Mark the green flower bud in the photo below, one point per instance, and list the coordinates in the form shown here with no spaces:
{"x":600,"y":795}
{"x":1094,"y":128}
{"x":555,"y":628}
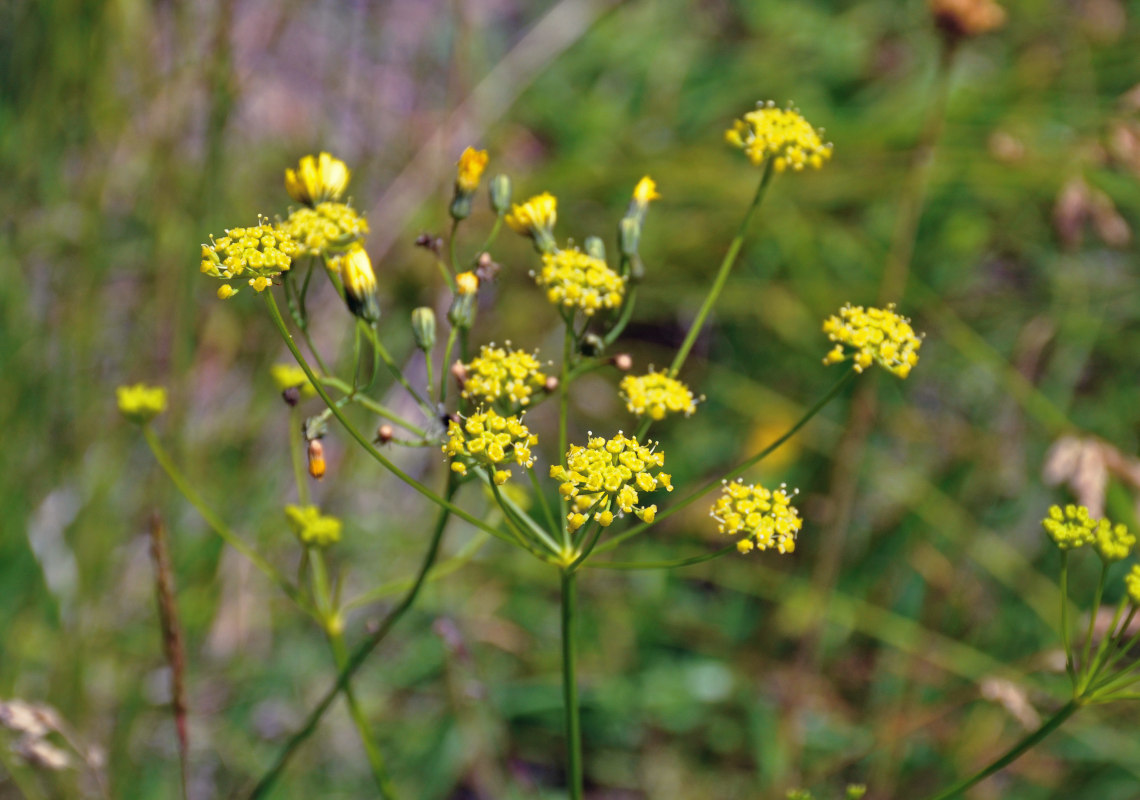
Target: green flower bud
{"x":596,"y":247}
{"x":460,"y":206}
{"x":462,"y":311}
{"x":629,"y":236}
{"x":423,"y":328}
{"x":500,"y":194}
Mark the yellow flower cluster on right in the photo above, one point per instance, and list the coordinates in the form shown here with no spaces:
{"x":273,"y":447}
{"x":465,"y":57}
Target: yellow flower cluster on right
{"x":876,"y":335}
{"x":1114,"y":542}
{"x":1071,"y":527}
{"x":499,"y":374}
{"x":605,"y":472}
{"x":328,"y":226}
{"x":1132,"y":584}
{"x":313,"y":528}
{"x":656,"y":394}
{"x":576,"y":280}
{"x":141,"y":403}
{"x":766,"y":518}
{"x":781,"y":134}
{"x":487,"y":439}
{"x":262,"y":252}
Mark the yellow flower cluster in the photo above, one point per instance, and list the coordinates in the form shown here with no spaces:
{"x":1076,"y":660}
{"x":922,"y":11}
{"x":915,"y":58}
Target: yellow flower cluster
{"x":1113,"y":542}
{"x":288,"y":376}
{"x":469,"y":171}
{"x":1072,"y":527}
{"x":656,"y":394}
{"x":539,"y":213}
{"x":328,"y":226}
{"x":781,"y":134}
{"x":317,"y":179}
{"x":767,"y":519}
{"x":141,"y":403}
{"x":876,"y":335}
{"x":262,"y":252}
{"x":487,"y":439}
{"x":576,"y":280}
{"x":1132,"y":584}
{"x":605,"y":473}
{"x":313,"y":528}
{"x":501,"y":374}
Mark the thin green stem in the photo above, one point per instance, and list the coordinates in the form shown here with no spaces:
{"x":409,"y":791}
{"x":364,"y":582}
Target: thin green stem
{"x":563,"y":413}
{"x":219,"y":527}
{"x":708,"y":487}
{"x":1110,"y":661}
{"x":382,"y":351}
{"x":624,"y":317}
{"x":441,"y":570}
{"x":1093,"y":669}
{"x":1013,"y":753}
{"x":1065,"y":643}
{"x":367,"y":402}
{"x":722,"y":273}
{"x":295,"y":445}
{"x":445,"y":366}
{"x":491,"y":236}
{"x":451,"y":246}
{"x":1084,"y":663}
{"x":680,"y":562}
{"x":542,"y":501}
{"x":521,"y":521}
{"x":358,"y":657}
{"x":570,"y":684}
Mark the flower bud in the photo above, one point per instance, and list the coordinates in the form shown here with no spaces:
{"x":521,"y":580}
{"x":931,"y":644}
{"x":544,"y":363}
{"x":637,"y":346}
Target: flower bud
{"x":384,"y":434}
{"x":592,"y":345}
{"x":466,"y":283}
{"x":291,"y":395}
{"x":500,"y":194}
{"x":462,"y":311}
{"x":423,"y":328}
{"x":316,"y":459}
{"x":460,"y":207}
{"x":623,"y":362}
{"x":359,"y":283}
{"x":629,"y":236}
{"x":595,"y":247}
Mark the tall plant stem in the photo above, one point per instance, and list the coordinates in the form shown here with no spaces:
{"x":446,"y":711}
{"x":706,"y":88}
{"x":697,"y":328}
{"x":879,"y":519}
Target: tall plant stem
{"x":722,"y":273}
{"x":570,"y":684}
{"x":1014,"y":752}
{"x":376,"y":763}
{"x":359,"y":656}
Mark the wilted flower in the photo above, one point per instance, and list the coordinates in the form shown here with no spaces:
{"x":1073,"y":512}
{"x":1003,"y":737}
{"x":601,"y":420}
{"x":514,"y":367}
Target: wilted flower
{"x":780,"y":134}
{"x":766,"y":518}
{"x":876,"y":336}
{"x":141,"y":403}
{"x":317,"y":179}
{"x":656,"y":394}
{"x":485,"y":438}
{"x":575,"y":280}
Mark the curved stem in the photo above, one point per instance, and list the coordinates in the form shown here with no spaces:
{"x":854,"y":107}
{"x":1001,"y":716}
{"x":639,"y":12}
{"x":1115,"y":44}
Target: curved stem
{"x":445,"y":366}
{"x":681,"y":562}
{"x":382,"y":351}
{"x":367,"y":402}
{"x":1084,"y":663}
{"x":358,"y":657}
{"x":1065,"y":617}
{"x":441,"y":570}
{"x":722,"y":273}
{"x":570,"y":684}
{"x":1013,"y":753}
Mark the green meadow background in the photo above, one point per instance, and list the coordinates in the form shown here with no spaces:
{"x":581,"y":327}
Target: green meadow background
{"x":922,"y":587}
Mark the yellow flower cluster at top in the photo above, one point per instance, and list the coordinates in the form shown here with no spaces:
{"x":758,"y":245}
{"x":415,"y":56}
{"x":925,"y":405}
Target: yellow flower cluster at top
{"x":487,"y":439}
{"x":313,"y":528}
{"x":876,"y":335}
{"x":328,"y":226}
{"x":656,"y":394}
{"x":469,"y":171}
{"x":766,"y":518}
{"x":537,"y":214}
{"x":262,"y":252}
{"x":141,"y":403}
{"x":780,"y":134}
{"x":1073,"y":526}
{"x":1132,"y":584}
{"x":576,"y":280}
{"x":498,"y":374}
{"x":1114,"y":542}
{"x":317,"y":179}
{"x":605,"y":473}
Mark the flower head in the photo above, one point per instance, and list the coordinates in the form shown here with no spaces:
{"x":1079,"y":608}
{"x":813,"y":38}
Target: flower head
{"x":781,"y":134}
{"x":1113,"y":542}
{"x":327,"y":227}
{"x":767,"y":519}
{"x":313,"y":528}
{"x":487,"y":439}
{"x":643,"y":194}
{"x":656,"y":394}
{"x":875,"y":335}
{"x":355,"y":268}
{"x":466,"y":283}
{"x":289,"y":376}
{"x":141,"y":403}
{"x":261,"y":252}
{"x":1132,"y":584}
{"x":535,"y":218}
{"x":610,"y":472}
{"x":1071,"y":527}
{"x":499,"y":374}
{"x":317,"y":179}
{"x":469,"y":170}
{"x":575,"y":280}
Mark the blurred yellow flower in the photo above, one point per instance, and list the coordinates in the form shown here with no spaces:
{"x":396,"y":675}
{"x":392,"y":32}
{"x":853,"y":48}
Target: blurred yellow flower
{"x":328,"y":227}
{"x":466,"y":283}
{"x":317,"y":179}
{"x":313,"y":528}
{"x":141,"y":403}
{"x":487,"y":439}
{"x":355,"y":268}
{"x":1070,"y":527}
{"x":766,"y":518}
{"x":780,"y":134}
{"x":469,"y":171}
{"x":288,"y":376}
{"x":1132,"y":584}
{"x":656,"y":394}
{"x":874,"y":335}
{"x":498,"y":374}
{"x":575,"y":280}
{"x":1113,"y":542}
{"x":535,"y":218}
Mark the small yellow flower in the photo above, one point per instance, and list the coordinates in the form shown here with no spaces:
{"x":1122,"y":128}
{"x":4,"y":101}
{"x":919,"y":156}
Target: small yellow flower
{"x":317,"y":179}
{"x":874,"y":335}
{"x":225,"y":291}
{"x":261,"y":252}
{"x":313,"y":528}
{"x":606,"y":473}
{"x":489,"y":440}
{"x":766,"y":518}
{"x":141,"y":403}
{"x":1070,"y":528}
{"x":645,"y":191}
{"x":781,"y":134}
{"x":498,"y":374}
{"x":656,"y":394}
{"x":328,"y":227}
{"x":355,"y":268}
{"x":471,"y":164}
{"x":1132,"y":584}
{"x":535,"y":218}
{"x":466,"y":283}
{"x":575,"y":280}
{"x":1113,"y":542}
{"x":288,"y":376}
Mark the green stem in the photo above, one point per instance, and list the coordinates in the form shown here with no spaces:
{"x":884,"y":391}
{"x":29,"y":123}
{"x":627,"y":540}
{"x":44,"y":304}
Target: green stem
{"x":357,"y":659}
{"x":219,"y":527}
{"x":623,"y":318}
{"x":491,"y":236}
{"x":376,"y":763}
{"x":382,"y":351}
{"x":1013,"y":753}
{"x":451,"y":246}
{"x":1065,"y":617}
{"x":1098,"y":661}
{"x":295,"y":445}
{"x":1084,"y":663}
{"x":681,"y":562}
{"x":708,"y":487}
{"x":441,"y":570}
{"x":722,"y":274}
{"x":570,"y":684}
{"x":1110,"y":661}
{"x":542,"y":501}
{"x":367,"y":402}
{"x":563,"y":413}
{"x":445,"y":367}
{"x":517,"y":517}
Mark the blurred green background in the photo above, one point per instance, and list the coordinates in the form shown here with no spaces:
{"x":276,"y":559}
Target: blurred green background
{"x":129,"y":131}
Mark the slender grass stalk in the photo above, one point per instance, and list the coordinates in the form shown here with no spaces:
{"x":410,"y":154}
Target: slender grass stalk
{"x":542,"y":501}
{"x":445,"y":365}
{"x":1065,"y":643}
{"x":295,"y":445}
{"x":440,"y":570}
{"x":1084,"y":663}
{"x":722,"y":273}
{"x":367,"y":402}
{"x":680,"y":562}
{"x":570,"y":684}
{"x":1098,"y":662}
{"x":385,"y":356}
{"x":563,"y":413}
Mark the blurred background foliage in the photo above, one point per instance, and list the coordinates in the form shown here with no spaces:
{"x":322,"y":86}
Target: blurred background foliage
{"x":909,"y":638}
